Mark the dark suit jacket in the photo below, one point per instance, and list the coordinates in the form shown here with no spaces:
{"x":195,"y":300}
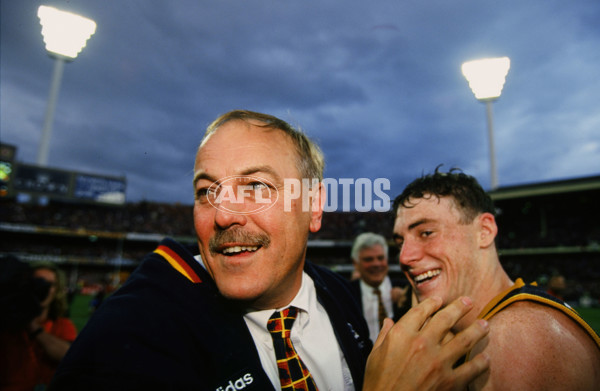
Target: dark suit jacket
{"x":398,"y":311}
{"x":171,"y":330}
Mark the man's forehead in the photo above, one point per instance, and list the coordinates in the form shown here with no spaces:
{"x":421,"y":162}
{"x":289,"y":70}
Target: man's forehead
{"x":239,"y":148}
{"x":425,"y":208}
{"x":427,"y":201}
{"x":375,"y":248}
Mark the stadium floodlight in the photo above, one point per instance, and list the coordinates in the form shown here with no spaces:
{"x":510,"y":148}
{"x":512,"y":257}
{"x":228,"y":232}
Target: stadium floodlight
{"x":486,"y":78}
{"x":65,"y":35}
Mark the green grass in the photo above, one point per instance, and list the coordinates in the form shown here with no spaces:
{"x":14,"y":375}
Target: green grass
{"x":591,"y":316}
{"x":80,"y":310}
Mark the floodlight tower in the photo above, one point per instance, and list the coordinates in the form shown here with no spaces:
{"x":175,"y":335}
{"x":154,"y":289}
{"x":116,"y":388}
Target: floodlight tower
{"x":65,"y":35}
{"x":486,"y":78}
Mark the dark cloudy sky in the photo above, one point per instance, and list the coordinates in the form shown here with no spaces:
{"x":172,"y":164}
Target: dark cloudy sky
{"x":377,"y":83}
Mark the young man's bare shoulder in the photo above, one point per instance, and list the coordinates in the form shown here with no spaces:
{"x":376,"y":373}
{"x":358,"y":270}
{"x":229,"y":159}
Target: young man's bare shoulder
{"x":536,"y":347}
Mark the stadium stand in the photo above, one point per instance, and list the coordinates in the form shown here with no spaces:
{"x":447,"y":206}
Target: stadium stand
{"x":544,"y":229}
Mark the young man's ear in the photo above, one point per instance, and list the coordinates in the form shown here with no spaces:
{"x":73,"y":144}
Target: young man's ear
{"x":318,"y":198}
{"x":487,"y":229}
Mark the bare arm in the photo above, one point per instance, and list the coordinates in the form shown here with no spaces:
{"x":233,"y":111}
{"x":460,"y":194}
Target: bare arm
{"x":54,"y":347}
{"x":534,"y":347}
{"x":413,"y":355}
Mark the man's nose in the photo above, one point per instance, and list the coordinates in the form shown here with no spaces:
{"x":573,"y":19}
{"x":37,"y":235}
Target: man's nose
{"x":410,"y":252}
{"x":380,"y":262}
{"x":228,"y":214}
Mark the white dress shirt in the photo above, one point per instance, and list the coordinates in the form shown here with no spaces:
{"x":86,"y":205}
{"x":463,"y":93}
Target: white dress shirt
{"x":313,"y":338}
{"x":370,"y":304}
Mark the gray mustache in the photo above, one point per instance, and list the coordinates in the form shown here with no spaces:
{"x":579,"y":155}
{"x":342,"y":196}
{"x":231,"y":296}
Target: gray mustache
{"x":237,"y":235}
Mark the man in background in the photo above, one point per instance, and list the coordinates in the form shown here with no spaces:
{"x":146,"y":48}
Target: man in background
{"x":373,"y":289}
{"x":557,"y":286}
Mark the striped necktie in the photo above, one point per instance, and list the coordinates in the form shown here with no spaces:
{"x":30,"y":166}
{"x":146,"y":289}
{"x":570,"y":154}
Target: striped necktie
{"x":293,"y":374}
{"x":382,"y":313}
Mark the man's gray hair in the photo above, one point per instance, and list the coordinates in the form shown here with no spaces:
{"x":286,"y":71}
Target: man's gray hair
{"x":309,"y":159}
{"x":367,"y":240}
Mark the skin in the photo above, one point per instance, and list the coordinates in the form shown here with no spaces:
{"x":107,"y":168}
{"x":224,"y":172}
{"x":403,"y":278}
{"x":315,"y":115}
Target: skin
{"x":529,"y":345}
{"x":253,"y":276}
{"x":51,"y":277}
{"x":372,"y":265}
{"x":54,"y":347}
{"x":399,"y":295}
{"x":432,"y":239}
{"x":521,"y":355}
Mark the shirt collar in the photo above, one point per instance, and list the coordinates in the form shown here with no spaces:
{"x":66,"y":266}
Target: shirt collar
{"x":305,"y":300}
{"x":385,"y":285}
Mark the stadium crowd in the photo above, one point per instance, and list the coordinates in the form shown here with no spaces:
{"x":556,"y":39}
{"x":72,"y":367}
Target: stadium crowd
{"x":522,"y":225}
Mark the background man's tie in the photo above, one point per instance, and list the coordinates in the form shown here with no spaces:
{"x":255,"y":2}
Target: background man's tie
{"x":381,"y":308}
{"x":293,"y":374}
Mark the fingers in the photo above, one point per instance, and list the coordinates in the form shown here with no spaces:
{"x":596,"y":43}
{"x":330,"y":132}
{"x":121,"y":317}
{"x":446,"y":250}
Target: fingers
{"x":468,"y":371}
{"x":417,"y":316}
{"x":463,"y":342}
{"x":459,"y":346}
{"x":385,"y":328}
{"x":447,"y":318}
{"x":412,"y":354}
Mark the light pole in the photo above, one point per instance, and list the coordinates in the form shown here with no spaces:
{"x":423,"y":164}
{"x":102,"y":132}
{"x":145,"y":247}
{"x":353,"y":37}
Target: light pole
{"x":65,"y":35}
{"x":486,"y":78}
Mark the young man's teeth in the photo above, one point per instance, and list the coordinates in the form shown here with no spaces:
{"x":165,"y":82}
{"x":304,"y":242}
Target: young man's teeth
{"x":429,"y":274}
{"x":237,"y":249}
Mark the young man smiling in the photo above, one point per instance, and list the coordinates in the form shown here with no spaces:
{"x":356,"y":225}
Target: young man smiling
{"x":445,"y":229}
{"x":212,"y":316}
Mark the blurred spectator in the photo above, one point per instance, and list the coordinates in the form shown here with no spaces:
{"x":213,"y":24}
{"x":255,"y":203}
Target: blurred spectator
{"x":20,"y":294}
{"x":33,"y":344}
{"x":98,"y":298}
{"x":373,"y":289}
{"x":557,"y":286}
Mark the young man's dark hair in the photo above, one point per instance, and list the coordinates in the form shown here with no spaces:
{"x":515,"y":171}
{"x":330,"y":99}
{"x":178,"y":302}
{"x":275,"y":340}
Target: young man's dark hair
{"x":464,"y":189}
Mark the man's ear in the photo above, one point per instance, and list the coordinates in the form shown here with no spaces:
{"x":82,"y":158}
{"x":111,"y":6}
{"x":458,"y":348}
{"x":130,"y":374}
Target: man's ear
{"x":317,"y":204}
{"x":487,"y":229}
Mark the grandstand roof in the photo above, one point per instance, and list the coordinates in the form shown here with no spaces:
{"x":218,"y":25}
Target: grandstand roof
{"x":546,"y":188}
